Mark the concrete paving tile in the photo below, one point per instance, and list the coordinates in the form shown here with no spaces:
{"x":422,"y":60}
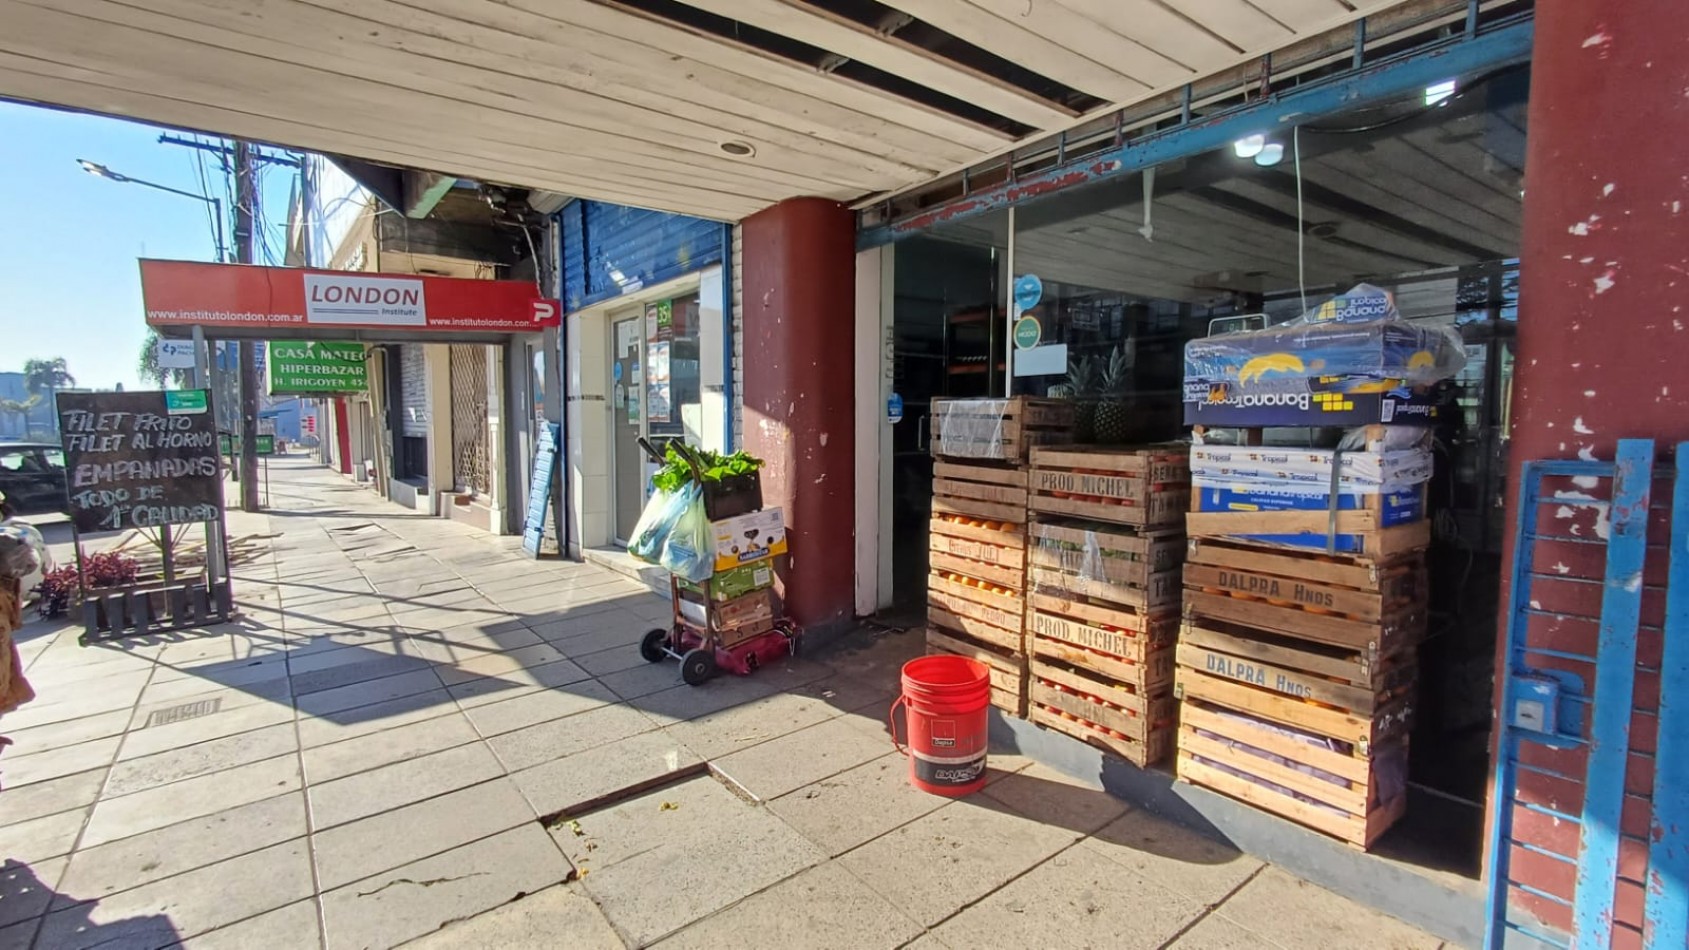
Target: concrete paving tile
{"x":613,"y":660}
{"x":416,"y":899}
{"x":304,"y":663}
{"x":945,"y":860}
{"x":98,"y":871}
{"x":927,"y":941}
{"x":375,"y":749}
{"x":42,"y":711}
{"x":181,"y":907}
{"x":20,"y":935}
{"x":1217,"y":933}
{"x":294,"y":927}
{"x":154,"y":808}
{"x":329,"y":701}
{"x":610,"y":630}
{"x":212,"y":755}
{"x":493,"y":689}
{"x":689,"y":702}
{"x":163,"y":695}
{"x":844,"y":811}
{"x":371,"y":666}
{"x":1077,"y":899}
{"x":1174,"y":857}
{"x":792,"y":761}
{"x":564,"y":736}
{"x":741,"y":727}
{"x":498,"y":664}
{"x":413,"y":779}
{"x":20,"y":770}
{"x":150,"y":740}
{"x":50,"y":797}
{"x":567,"y":784}
{"x":57,"y":735}
{"x":1046,"y":795}
{"x":560,"y":916}
{"x":389,"y":840}
{"x":26,"y":890}
{"x":240,"y":673}
{"x":41,"y":838}
{"x":595,"y":840}
{"x":720,"y":861}
{"x":376,"y":717}
{"x":838,"y":913}
{"x":644,"y":679}
{"x":1290,"y":911}
{"x":540,"y":706}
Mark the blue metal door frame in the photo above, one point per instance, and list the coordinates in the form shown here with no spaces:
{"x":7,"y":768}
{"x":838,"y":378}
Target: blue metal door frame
{"x":1550,"y":706}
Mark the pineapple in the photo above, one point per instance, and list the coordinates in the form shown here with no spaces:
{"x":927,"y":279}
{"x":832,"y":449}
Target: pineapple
{"x":1081,"y":386}
{"x":1113,"y":418}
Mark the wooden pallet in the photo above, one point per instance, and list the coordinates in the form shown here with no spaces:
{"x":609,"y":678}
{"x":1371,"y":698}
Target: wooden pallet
{"x":1352,"y":808}
{"x":1153,"y":748}
{"x":1008,"y":669}
{"x":983,"y":491}
{"x":997,"y":555}
{"x":1131,"y":648}
{"x":1137,"y":569}
{"x":1362,"y":682}
{"x":999,"y":429}
{"x":1141,"y":487}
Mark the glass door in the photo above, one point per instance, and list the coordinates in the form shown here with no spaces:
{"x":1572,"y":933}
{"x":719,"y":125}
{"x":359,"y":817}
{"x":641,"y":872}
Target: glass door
{"x":627,"y":422}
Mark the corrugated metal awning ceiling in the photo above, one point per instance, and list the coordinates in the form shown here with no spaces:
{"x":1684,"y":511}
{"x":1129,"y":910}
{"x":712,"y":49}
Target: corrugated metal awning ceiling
{"x":641,"y":102}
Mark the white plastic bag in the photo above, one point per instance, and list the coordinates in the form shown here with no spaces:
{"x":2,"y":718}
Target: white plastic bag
{"x":689,"y":550}
{"x":655,"y":522}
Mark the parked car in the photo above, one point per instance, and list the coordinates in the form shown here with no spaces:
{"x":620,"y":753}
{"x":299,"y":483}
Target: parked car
{"x":32,"y":474}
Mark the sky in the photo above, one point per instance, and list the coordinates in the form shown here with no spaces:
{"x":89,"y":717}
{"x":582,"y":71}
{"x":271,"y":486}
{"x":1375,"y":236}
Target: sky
{"x":69,"y":241}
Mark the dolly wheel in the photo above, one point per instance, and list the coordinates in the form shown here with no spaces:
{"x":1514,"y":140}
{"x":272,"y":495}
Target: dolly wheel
{"x":697,"y":666}
{"x":652,"y":648}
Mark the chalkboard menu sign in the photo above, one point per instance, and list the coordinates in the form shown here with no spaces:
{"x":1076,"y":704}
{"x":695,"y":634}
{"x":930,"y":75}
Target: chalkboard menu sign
{"x":140,"y":459}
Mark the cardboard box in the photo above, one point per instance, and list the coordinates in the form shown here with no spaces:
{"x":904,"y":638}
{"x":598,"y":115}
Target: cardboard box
{"x":1304,"y":402}
{"x":1394,"y":508}
{"x":749,"y":537}
{"x":752,"y":609}
{"x":735,"y":581}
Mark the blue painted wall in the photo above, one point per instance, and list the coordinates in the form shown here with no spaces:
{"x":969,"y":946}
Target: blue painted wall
{"x":609,"y":250}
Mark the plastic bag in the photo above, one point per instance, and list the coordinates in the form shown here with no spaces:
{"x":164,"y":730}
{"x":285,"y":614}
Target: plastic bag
{"x":655,"y":522}
{"x":689,"y":550}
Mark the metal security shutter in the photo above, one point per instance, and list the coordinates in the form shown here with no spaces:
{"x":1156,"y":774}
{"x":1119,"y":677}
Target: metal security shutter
{"x":469,"y":418}
{"x":413,"y":390}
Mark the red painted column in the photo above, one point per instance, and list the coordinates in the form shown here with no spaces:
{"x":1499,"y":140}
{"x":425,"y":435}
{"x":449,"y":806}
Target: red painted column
{"x":1603,"y":329}
{"x":798,"y":339}
{"x":343,"y":435}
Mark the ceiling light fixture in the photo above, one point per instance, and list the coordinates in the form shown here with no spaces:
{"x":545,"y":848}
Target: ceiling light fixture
{"x":739,"y":149}
{"x":1249,"y":146}
{"x":1270,"y":154}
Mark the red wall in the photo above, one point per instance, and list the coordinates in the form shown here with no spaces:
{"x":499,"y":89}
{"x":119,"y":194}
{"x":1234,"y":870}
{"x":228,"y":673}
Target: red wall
{"x":799,"y":276}
{"x":1603,"y":330}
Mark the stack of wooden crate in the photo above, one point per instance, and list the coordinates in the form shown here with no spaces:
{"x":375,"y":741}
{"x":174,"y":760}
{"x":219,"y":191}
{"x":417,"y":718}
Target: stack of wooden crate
{"x":1296,"y":657}
{"x":976,"y":588}
{"x":1103,"y":555}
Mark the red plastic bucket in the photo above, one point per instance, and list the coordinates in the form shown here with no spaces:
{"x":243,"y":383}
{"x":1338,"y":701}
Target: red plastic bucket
{"x":945,"y":698}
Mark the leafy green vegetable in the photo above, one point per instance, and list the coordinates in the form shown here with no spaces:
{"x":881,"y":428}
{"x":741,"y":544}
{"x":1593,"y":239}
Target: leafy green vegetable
{"x":676,"y":474}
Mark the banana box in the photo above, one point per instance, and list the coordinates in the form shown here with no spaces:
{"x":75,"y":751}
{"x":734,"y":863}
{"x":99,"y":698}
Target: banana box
{"x":1306,"y":402}
{"x":748,"y":537}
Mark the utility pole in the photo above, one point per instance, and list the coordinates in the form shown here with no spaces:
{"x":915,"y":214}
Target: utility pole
{"x":244,"y":204}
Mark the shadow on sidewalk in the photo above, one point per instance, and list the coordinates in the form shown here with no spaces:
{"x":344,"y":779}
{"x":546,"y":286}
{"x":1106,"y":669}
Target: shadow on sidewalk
{"x":25,"y":899}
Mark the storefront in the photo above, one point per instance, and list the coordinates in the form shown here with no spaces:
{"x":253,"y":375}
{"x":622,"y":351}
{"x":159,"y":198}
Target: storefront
{"x":1089,"y":292}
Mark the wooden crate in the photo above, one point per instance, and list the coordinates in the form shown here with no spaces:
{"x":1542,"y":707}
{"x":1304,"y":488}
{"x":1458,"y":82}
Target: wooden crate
{"x":1128,"y":647}
{"x":1000,"y":429}
{"x":1134,"y":724}
{"x":1008,"y":669}
{"x":981,"y":615}
{"x":1361,"y":682}
{"x":982,"y":491}
{"x":1348,"y":602}
{"x":1357,"y":808}
{"x":1376,"y":543}
{"x":1119,"y":565}
{"x":1142,"y":487}
{"x":1387,"y":722}
{"x":1153,"y":748}
{"x":997,"y":555}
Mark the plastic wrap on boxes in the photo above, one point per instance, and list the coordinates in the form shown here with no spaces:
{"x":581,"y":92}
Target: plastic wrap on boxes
{"x":970,"y":428}
{"x":1299,"y":471}
{"x":1090,"y":560}
{"x":1389,"y":765}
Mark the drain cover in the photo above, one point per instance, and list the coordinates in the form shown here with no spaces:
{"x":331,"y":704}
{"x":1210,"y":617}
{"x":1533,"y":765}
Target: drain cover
{"x":184,"y":711}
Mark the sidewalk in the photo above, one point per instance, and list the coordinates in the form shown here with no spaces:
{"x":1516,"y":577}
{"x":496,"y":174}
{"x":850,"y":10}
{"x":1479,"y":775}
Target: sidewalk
{"x":413,"y":726}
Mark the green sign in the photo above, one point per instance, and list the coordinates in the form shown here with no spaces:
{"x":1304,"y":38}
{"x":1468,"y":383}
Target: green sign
{"x":227,"y":446}
{"x":1028,"y":331}
{"x":306,"y":369}
{"x":185,"y":402}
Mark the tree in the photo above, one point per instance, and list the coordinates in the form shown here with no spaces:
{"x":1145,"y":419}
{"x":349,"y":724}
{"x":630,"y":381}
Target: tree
{"x":21,"y":408}
{"x":51,"y":375}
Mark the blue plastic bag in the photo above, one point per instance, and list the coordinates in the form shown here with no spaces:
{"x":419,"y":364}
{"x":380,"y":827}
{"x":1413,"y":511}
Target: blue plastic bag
{"x":655,"y":522}
{"x":689,"y":550}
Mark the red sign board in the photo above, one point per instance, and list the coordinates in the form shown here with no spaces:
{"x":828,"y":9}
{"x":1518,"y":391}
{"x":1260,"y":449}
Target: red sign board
{"x":248,"y":297}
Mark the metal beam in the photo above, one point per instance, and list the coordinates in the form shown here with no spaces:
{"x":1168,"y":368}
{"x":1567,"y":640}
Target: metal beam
{"x":1379,"y":81}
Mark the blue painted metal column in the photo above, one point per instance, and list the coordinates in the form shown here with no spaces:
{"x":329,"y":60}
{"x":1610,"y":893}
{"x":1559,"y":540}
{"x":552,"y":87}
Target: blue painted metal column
{"x":1666,"y":914}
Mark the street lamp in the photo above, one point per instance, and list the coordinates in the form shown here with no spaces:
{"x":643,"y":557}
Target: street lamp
{"x":100,"y":171}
